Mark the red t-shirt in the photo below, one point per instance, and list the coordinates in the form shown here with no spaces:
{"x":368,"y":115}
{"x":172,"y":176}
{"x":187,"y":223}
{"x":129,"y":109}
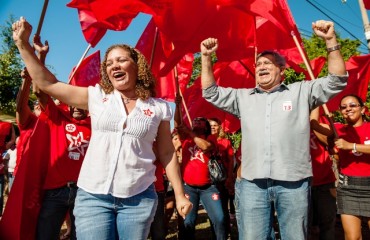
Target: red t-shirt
{"x":226,"y":151}
{"x":321,"y":163}
{"x":69,"y":139}
{"x":195,"y":163}
{"x":354,"y":164}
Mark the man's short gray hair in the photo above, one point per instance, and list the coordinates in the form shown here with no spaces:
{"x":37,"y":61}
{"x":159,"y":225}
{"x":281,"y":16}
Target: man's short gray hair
{"x":279,"y":59}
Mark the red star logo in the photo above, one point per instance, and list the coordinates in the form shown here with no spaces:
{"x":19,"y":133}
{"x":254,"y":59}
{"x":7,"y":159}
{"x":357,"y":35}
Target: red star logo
{"x":215,"y":196}
{"x":148,"y":112}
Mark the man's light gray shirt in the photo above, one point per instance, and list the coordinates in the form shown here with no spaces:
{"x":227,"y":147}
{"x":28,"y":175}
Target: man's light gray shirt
{"x":275,"y":125}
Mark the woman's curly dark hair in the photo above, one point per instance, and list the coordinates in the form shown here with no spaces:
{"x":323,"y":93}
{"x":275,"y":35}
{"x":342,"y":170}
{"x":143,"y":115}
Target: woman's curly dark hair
{"x":145,"y":83}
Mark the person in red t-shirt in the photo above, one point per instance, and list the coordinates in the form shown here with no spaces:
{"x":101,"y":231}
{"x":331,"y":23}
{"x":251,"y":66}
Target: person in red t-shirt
{"x":196,"y":148}
{"x":353,"y":148}
{"x":323,"y":192}
{"x":70,"y":133}
{"x":225,"y":151}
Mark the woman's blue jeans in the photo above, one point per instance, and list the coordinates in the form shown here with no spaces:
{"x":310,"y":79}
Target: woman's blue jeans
{"x":102,"y":216}
{"x":211,"y":200}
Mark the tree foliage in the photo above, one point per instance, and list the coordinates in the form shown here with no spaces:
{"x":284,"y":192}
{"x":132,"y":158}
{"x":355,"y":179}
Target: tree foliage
{"x":10,"y":68}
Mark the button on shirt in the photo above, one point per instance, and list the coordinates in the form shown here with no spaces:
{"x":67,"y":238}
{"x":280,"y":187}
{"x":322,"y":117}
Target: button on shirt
{"x":275,"y":125}
{"x":119,"y":161}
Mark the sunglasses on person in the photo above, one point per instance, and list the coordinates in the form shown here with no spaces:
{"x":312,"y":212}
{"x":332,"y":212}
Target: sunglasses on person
{"x":351,"y":105}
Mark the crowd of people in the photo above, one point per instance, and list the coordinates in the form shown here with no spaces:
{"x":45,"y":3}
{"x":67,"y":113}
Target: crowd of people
{"x":114,"y":169}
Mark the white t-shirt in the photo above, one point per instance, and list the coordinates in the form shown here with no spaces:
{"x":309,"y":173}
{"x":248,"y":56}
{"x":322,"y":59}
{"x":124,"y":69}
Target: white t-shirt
{"x":120,"y":160}
{"x":12,"y":156}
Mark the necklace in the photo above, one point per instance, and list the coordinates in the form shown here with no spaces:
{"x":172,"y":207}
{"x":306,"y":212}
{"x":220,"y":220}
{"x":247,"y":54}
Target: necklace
{"x":127,"y":100}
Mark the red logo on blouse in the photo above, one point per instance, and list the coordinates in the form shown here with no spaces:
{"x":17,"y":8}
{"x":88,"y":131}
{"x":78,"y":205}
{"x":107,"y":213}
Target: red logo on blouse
{"x":215,"y":196}
{"x":147,"y":112}
{"x":104,"y":99}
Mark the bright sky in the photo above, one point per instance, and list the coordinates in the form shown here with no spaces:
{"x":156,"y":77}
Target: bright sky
{"x":62,"y":28}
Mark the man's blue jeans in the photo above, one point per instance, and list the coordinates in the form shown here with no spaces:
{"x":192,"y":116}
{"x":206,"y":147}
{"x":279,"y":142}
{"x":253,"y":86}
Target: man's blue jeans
{"x":211,"y":200}
{"x":55,"y":205}
{"x":104,"y":217}
{"x":255,"y":214}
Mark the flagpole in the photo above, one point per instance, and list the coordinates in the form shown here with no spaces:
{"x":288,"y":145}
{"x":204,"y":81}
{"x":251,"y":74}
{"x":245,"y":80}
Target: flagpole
{"x":153,"y":48}
{"x":178,"y":91}
{"x":246,"y":68}
{"x":79,"y":63}
{"x":45,"y":6}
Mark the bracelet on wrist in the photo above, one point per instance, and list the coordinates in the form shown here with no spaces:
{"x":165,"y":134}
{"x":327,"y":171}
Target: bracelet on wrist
{"x":354,"y":150}
{"x":334,"y":48}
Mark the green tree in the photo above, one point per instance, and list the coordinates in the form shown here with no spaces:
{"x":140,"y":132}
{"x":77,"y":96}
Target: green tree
{"x":10,"y":68}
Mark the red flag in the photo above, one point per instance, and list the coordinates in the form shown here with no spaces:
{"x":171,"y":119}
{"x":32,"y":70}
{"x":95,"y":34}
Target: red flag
{"x":88,"y":73}
{"x":236,"y":74}
{"x":199,"y":107}
{"x":24,"y":201}
{"x":316,"y":65}
{"x":233,"y":22}
{"x":166,"y":86}
{"x":96,"y":16}
{"x":240,"y":26}
{"x":367,"y":4}
{"x":229,"y":25}
{"x":358,"y":68}
{"x":92,"y":30}
{"x":276,"y":21}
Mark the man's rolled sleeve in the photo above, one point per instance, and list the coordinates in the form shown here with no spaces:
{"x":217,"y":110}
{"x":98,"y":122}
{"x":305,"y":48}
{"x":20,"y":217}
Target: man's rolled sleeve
{"x":337,"y":82}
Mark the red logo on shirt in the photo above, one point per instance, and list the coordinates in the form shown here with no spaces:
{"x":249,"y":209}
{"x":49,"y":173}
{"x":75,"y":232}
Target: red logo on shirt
{"x":104,"y":99}
{"x":70,"y":128}
{"x":215,"y":197}
{"x":147,"y":112}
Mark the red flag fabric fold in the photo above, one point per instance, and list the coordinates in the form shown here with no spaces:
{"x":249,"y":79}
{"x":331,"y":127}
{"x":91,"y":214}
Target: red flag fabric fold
{"x":358,"y":68}
{"x":316,"y":65}
{"x":166,"y":85}
{"x":199,"y":107}
{"x":24,"y":201}
{"x":97,"y":16}
{"x":88,"y":73}
{"x":367,"y":4}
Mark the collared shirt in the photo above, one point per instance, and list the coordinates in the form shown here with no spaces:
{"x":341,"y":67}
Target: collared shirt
{"x":119,"y":160}
{"x":275,"y":125}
